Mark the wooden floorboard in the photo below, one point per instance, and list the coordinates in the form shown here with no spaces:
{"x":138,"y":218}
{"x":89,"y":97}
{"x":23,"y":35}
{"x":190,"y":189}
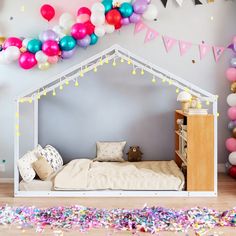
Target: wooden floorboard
{"x":226,"y":199}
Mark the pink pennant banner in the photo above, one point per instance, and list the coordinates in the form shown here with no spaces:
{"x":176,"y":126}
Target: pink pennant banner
{"x":169,"y":42}
{"x":204,"y":49}
{"x":218,"y":51}
{"x":139,"y":27}
{"x":184,"y":47}
{"x":150,"y":35}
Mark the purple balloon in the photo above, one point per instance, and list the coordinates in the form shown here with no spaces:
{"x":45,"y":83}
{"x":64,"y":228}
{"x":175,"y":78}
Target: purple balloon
{"x":68,"y":54}
{"x":134,"y":18}
{"x":49,"y":35}
{"x":85,"y":42}
{"x":148,"y":1}
{"x":125,"y":21}
{"x":140,"y":6}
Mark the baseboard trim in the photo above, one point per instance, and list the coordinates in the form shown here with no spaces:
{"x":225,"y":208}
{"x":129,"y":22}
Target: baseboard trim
{"x":6,"y":180}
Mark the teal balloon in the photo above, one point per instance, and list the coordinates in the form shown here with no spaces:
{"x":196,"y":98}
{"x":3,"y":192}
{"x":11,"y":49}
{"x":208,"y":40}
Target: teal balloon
{"x":107,"y":4}
{"x":34,"y":45}
{"x":94,"y":39}
{"x":126,"y":9}
{"x":67,"y":43}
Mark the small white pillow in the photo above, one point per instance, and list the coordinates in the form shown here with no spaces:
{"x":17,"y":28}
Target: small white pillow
{"x":52,"y":156}
{"x":25,"y":164}
{"x":110,"y":151}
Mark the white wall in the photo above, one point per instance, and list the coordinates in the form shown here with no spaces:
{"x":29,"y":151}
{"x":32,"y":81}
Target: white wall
{"x":189,"y":22}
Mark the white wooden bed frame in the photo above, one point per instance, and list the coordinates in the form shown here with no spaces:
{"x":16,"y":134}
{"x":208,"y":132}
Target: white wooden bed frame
{"x":72,"y":73}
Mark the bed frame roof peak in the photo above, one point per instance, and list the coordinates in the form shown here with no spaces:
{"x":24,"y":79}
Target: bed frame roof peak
{"x":115,"y":51}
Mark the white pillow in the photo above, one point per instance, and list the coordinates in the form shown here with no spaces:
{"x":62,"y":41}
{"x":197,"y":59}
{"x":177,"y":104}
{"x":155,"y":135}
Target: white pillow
{"x":25,"y":164}
{"x":52,"y":156}
{"x":110,"y":151}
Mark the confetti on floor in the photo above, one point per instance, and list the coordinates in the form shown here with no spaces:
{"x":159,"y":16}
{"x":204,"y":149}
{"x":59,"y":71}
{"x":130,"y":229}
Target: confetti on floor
{"x":147,"y":219}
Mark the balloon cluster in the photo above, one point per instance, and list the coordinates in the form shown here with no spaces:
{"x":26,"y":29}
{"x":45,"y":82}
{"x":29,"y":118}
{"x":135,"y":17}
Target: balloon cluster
{"x":231,"y":100}
{"x":62,"y":41}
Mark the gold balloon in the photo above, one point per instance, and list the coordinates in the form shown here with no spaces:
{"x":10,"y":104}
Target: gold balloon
{"x":234,"y":132}
{"x":44,"y":66}
{"x":233,"y":87}
{"x":2,"y":39}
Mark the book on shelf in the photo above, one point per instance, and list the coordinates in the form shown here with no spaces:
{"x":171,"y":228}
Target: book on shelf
{"x":193,"y":111}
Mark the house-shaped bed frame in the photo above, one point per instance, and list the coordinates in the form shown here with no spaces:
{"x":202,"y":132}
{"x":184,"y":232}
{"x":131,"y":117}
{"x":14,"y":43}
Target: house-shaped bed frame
{"x":114,"y":52}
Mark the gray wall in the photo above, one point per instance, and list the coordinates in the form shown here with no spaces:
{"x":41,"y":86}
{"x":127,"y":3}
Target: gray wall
{"x":112,"y":105}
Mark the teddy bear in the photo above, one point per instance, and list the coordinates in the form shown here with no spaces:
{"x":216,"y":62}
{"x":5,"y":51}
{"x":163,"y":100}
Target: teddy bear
{"x":134,"y":153}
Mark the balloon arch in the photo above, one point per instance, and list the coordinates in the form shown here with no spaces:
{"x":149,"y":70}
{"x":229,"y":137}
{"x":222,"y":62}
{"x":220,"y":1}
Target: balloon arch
{"x":72,"y":32}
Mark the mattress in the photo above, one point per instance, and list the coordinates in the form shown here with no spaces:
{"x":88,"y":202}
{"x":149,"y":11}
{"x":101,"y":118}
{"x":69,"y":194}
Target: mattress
{"x":36,"y":185}
{"x":85,"y":174}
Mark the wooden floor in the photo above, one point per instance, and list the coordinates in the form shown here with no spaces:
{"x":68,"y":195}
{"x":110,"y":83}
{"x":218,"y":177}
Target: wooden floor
{"x":226,"y":199}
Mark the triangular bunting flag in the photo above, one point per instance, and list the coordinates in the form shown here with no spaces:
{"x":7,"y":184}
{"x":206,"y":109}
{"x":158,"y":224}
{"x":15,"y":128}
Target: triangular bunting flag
{"x":204,"y":49}
{"x":217,"y":51}
{"x":169,"y":42}
{"x":197,"y":2}
{"x":150,"y":35}
{"x":184,"y":47}
{"x":180,"y":2}
{"x":164,"y":2}
{"x":139,"y":27}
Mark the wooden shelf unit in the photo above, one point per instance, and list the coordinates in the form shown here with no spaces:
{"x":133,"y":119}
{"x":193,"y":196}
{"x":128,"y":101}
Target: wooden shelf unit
{"x":200,"y":150}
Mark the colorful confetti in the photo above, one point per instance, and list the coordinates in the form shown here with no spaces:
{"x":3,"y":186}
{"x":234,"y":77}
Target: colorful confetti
{"x":148,"y":219}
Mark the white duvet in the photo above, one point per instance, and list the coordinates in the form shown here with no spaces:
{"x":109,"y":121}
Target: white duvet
{"x":84,"y":174}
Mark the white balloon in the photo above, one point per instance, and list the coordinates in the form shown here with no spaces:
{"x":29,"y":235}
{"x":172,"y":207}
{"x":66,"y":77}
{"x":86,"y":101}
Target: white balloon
{"x":231,"y":100}
{"x":64,"y":18}
{"x":67,"y":26}
{"x":109,"y":28}
{"x":41,"y":57}
{"x":59,"y":30}
{"x":82,"y":18}
{"x":12,"y":53}
{"x":232,"y":158}
{"x":3,"y":59}
{"x":25,"y":42}
{"x":98,"y":7}
{"x":100,"y":31}
{"x":119,"y":2}
{"x":151,"y":12}
{"x":97,"y":19}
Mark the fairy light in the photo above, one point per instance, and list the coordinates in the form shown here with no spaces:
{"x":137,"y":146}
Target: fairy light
{"x":81,"y":74}
{"x":44,"y":92}
{"x":163,"y":80}
{"x":21,"y":100}
{"x":76,"y":83}
{"x":17,"y":114}
{"x":95,"y":69}
{"x":17,"y":133}
{"x":67,"y":82}
{"x":61,"y":87}
{"x":199,"y":106}
{"x":129,"y":61}
{"x":86,"y":69}
{"x":114,"y":63}
{"x":38,"y":95}
{"x":122,"y":60}
{"x":106,"y":61}
{"x":17,"y":127}
{"x":177,"y":90}
{"x":218,"y":114}
{"x":30,"y":100}
{"x":207,"y":103}
{"x":170,"y":82}
{"x":154,"y":80}
{"x":186,"y":89}
{"x":133,"y":72}
{"x":142,"y":72}
{"x":54,"y":92}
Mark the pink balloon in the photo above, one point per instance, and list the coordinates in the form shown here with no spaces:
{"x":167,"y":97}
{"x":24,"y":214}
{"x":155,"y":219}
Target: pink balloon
{"x":234,"y":39}
{"x":53,"y":59}
{"x":231,"y":144}
{"x":232,"y":113}
{"x":84,"y":10}
{"x":231,"y":74}
{"x":51,"y":48}
{"x":27,"y":60}
{"x":78,"y":31}
{"x":12,"y":41}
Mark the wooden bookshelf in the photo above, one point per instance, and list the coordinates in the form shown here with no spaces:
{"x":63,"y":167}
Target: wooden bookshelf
{"x":200,"y":150}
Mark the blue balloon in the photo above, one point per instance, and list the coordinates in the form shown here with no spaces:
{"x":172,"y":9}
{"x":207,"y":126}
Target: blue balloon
{"x":34,"y":45}
{"x":108,"y":5}
{"x":67,"y":43}
{"x":94,"y":39}
{"x":126,"y":9}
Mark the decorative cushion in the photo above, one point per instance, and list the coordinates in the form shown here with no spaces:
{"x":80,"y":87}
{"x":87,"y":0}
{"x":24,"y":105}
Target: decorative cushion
{"x":25,"y":164}
{"x":42,"y":168}
{"x":110,"y":151}
{"x":52,"y":156}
